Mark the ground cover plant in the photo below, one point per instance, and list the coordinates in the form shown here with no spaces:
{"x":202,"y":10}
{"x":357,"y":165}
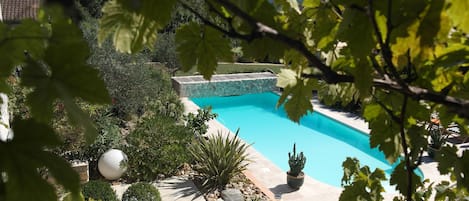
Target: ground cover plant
{"x":98,"y":190}
{"x":141,"y":192}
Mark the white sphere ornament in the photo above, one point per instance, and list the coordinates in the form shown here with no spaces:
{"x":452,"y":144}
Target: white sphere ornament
{"x":112,"y":164}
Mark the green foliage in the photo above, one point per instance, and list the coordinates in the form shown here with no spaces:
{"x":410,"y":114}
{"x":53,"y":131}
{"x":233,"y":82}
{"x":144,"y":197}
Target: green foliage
{"x":167,"y":104}
{"x":198,"y":122}
{"x":202,"y":46}
{"x":165,"y":50}
{"x":219,"y":159}
{"x":360,"y":183}
{"x":454,"y":164}
{"x":48,"y":74}
{"x":156,"y":146}
{"x":404,"y":58}
{"x":437,"y":137}
{"x":98,"y":190}
{"x":69,"y":197}
{"x":141,"y":192}
{"x":93,"y":6}
{"x":25,"y":154}
{"x":131,"y":30}
{"x":296,"y":162}
{"x":109,"y":137}
{"x":446,"y":191}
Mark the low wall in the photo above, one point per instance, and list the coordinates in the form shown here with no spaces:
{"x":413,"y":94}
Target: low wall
{"x":224,"y":85}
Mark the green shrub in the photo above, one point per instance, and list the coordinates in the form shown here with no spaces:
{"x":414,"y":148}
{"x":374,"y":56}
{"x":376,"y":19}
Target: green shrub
{"x":167,"y":104}
{"x":109,"y":137}
{"x":98,"y":190}
{"x":157,"y":146}
{"x":197,"y":122}
{"x":219,"y":159}
{"x":141,"y":192}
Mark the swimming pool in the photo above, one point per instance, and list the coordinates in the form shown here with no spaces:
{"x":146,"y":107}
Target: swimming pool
{"x":325,"y":142}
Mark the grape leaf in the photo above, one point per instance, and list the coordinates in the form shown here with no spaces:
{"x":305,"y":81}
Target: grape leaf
{"x":264,"y":48}
{"x":286,"y":78}
{"x":64,"y":75}
{"x":28,"y":36}
{"x":202,"y":46}
{"x":458,"y":13}
{"x":324,"y":27}
{"x":25,"y":154}
{"x":360,"y":183}
{"x":300,"y":102}
{"x":131,"y":31}
{"x":399,"y":178}
{"x":357,"y":32}
{"x":157,"y":10}
{"x":384,"y":132}
{"x":458,"y":166}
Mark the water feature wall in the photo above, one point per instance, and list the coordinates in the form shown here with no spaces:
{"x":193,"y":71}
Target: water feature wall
{"x":224,"y":85}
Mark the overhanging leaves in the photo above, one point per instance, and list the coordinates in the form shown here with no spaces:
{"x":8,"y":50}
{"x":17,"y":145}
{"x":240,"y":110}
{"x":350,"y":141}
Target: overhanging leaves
{"x":131,"y":31}
{"x":64,"y":74}
{"x":458,"y":13}
{"x":24,"y":155}
{"x":300,"y":102}
{"x":201,"y":46}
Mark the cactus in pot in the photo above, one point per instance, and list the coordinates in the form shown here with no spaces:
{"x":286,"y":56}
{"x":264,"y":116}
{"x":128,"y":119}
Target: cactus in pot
{"x":295,"y":177}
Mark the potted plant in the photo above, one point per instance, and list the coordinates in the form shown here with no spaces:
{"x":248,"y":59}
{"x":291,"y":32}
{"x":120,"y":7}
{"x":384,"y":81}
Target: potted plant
{"x":437,"y":139}
{"x":295,"y":176}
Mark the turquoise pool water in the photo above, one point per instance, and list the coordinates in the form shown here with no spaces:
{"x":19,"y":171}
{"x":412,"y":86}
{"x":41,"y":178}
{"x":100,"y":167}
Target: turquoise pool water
{"x":325,"y":142}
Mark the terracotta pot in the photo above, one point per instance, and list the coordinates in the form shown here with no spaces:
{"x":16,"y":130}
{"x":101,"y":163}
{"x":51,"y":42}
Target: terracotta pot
{"x":295,"y":182}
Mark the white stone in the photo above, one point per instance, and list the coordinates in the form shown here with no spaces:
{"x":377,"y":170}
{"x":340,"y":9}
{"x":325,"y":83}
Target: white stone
{"x":112,"y":164}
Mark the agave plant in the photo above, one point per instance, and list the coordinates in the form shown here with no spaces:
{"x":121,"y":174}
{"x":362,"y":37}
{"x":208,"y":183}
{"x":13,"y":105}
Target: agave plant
{"x":219,"y":159}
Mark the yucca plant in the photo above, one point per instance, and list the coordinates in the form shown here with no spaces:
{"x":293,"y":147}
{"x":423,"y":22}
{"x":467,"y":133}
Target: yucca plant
{"x":219,"y":159}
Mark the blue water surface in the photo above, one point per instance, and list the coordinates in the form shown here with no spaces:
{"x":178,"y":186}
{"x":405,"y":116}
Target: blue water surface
{"x":325,"y":142}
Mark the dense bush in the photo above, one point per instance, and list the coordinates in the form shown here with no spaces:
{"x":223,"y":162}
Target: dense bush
{"x":157,"y":146}
{"x":128,"y":79}
{"x":109,"y":137}
{"x":141,"y":192}
{"x":198,"y":122}
{"x":98,"y":190}
{"x":165,"y":51}
{"x":219,"y":159}
{"x":167,"y":104}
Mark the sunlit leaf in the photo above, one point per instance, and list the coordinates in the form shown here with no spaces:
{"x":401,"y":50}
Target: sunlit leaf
{"x":286,"y":78}
{"x":203,"y":47}
{"x":300,"y":102}
{"x":458,"y":13}
{"x":131,"y":31}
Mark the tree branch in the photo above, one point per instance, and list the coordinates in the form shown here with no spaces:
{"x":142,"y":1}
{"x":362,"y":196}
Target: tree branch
{"x":385,"y":50}
{"x":456,"y":105}
{"x":330,"y":76}
{"x":405,"y":148}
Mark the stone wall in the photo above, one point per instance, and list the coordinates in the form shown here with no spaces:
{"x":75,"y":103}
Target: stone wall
{"x":225,"y":87}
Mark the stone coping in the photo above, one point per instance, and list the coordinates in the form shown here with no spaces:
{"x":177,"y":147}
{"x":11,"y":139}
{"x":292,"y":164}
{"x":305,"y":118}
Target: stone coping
{"x":223,"y":77}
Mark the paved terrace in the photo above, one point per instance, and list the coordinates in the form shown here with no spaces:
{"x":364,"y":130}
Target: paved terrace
{"x":272,"y":180}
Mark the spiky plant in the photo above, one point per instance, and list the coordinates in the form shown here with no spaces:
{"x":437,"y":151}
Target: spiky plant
{"x":296,"y":162}
{"x":219,"y":159}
